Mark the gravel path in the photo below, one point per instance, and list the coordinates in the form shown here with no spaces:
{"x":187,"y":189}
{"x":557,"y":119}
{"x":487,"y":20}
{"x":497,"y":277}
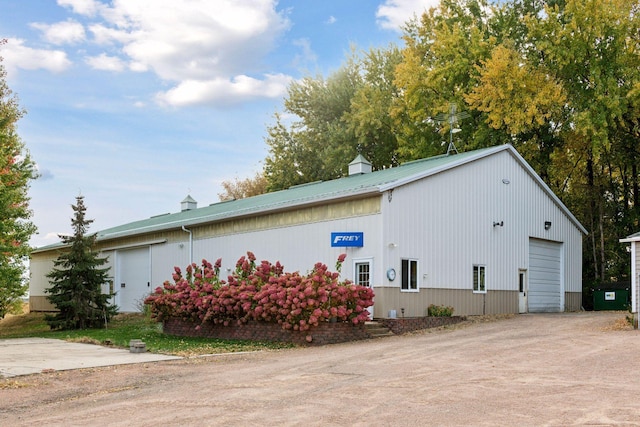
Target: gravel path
{"x":555,"y":369}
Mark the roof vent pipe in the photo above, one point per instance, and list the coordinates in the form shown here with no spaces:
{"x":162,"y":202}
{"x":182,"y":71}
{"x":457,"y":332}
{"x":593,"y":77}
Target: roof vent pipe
{"x":359,"y":166}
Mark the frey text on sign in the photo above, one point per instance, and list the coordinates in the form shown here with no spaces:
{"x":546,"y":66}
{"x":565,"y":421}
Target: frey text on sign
{"x":347,"y":239}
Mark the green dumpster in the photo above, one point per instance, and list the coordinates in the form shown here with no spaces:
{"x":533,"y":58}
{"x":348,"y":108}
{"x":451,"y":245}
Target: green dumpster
{"x":611,"y":298}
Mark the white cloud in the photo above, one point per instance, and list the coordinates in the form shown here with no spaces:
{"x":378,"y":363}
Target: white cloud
{"x":188,"y":42}
{"x":104,"y":35}
{"x":138,"y":67}
{"x":62,"y":32}
{"x":44,"y":174}
{"x":16,"y":55}
{"x":306,"y":55}
{"x":53,"y":237}
{"x":82,"y":7}
{"x":393,"y":14}
{"x":221,"y":91}
{"x":105,"y":62}
{"x":209,"y":45}
{"x":332,"y":20}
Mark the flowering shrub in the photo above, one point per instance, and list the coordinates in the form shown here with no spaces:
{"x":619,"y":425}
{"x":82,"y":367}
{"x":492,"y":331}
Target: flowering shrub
{"x":261,"y":292}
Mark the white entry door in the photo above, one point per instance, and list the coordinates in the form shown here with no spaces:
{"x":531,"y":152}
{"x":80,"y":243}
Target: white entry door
{"x":523,"y":306}
{"x":133,"y":283}
{"x":363,"y":272}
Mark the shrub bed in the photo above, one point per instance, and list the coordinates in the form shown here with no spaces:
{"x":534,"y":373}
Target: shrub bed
{"x":261,"y":293}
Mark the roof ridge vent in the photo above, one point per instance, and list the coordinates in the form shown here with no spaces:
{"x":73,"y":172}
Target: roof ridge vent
{"x":360,"y":165}
{"x":233,"y":199}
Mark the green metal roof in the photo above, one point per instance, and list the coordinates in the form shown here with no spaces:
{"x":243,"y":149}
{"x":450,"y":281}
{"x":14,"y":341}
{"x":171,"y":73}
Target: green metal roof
{"x":300,"y":195}
{"x":313,"y":193}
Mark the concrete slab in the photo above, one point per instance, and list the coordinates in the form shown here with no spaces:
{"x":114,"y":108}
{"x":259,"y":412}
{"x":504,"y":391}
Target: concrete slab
{"x":25,"y":356}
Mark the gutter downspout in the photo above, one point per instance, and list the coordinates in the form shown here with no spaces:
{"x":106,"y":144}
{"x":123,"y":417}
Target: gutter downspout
{"x":190,"y":244}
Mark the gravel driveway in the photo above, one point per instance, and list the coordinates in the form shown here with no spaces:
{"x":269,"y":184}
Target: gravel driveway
{"x":552,"y":369}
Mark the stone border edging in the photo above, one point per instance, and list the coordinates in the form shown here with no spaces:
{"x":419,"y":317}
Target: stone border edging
{"x":410,"y":324}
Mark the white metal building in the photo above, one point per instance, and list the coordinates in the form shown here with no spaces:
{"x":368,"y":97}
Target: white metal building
{"x":634,"y":241}
{"x":479,"y":231}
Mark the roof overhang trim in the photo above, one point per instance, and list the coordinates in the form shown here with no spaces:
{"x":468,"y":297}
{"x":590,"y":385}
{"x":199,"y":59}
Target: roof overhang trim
{"x":134,"y":245}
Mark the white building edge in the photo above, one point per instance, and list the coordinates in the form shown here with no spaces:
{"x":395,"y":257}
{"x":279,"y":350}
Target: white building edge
{"x":479,"y":231}
{"x":634,"y":241}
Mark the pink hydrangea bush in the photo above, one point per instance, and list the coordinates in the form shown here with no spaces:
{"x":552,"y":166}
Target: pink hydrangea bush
{"x":261,"y":292}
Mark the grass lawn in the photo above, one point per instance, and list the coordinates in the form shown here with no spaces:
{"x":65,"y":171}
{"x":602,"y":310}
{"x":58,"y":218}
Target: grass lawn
{"x":125,"y":327}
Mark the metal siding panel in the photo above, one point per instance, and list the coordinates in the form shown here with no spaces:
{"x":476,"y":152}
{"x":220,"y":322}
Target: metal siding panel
{"x":465,"y":303}
{"x":39,"y":267}
{"x":40,"y":303}
{"x":298,"y":247}
{"x":573,"y":301}
{"x":452,"y":216}
{"x":167,"y":256}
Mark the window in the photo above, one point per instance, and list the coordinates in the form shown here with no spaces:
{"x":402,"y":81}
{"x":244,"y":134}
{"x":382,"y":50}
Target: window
{"x":479,"y":284}
{"x":363,"y":273}
{"x":409,"y":275}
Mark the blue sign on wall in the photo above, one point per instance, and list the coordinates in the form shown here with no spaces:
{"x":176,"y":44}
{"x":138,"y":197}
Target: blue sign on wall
{"x":347,"y":239}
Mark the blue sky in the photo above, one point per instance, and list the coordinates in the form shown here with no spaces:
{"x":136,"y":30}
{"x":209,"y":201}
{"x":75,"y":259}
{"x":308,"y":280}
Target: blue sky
{"x":136,"y":103}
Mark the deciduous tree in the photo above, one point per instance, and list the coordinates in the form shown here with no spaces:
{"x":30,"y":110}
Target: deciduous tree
{"x":330,"y":120}
{"x":316,"y":143}
{"x":591,"y":47}
{"x":239,"y":189}
{"x":438,"y":69}
{"x":17,"y":169}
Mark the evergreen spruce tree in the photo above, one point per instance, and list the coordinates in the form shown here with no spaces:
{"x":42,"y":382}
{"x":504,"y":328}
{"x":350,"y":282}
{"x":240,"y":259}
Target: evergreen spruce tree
{"x":77,"y":279}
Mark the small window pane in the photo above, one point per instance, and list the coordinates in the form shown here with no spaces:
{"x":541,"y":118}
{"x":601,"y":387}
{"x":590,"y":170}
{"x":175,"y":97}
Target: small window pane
{"x":405,"y":274}
{"x":409,"y":274}
{"x":479,"y":283}
{"x":414,"y":274}
{"x":363,"y":274}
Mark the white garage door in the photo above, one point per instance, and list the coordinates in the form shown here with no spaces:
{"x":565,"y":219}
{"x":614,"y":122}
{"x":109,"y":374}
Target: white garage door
{"x":133,"y":284}
{"x":545,"y":276}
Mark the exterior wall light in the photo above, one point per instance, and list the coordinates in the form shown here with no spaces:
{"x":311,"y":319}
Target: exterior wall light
{"x":547,"y":225}
{"x":500,"y":223}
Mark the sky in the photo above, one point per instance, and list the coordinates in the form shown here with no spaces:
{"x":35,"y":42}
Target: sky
{"x":134,"y":104}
